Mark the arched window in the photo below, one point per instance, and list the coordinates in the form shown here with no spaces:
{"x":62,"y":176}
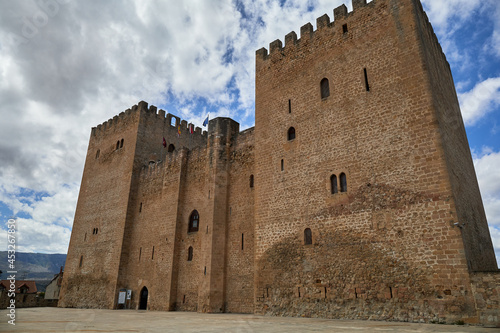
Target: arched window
{"x":343,"y":182}
{"x":308,"y":239}
{"x":171,"y":148}
{"x":333,"y":184}
{"x":194,"y":221}
{"x":121,"y":143}
{"x":251,"y":180}
{"x":117,"y":144}
{"x":190,"y":253}
{"x":291,"y":133}
{"x":97,"y":154}
{"x":325,"y":88}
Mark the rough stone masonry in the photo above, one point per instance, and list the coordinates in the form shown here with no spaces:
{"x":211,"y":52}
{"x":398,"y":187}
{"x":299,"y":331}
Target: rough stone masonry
{"x":354,"y":196}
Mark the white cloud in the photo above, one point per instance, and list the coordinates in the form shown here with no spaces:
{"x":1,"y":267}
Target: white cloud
{"x":480,"y":100}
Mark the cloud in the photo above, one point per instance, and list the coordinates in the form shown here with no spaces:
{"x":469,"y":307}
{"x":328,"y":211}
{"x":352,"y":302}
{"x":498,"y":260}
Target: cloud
{"x":480,"y":100}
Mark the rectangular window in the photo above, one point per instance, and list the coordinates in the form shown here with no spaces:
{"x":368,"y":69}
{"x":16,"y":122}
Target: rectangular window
{"x":282,"y":165}
{"x":366,"y":81}
{"x":242,"y":241}
{"x":289,"y":106}
{"x":140,"y":252}
{"x":153,"y":253}
{"x":344,"y":28}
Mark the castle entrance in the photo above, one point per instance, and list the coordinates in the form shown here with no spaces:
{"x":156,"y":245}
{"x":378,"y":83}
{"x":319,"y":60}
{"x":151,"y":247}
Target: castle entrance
{"x":143,"y":303}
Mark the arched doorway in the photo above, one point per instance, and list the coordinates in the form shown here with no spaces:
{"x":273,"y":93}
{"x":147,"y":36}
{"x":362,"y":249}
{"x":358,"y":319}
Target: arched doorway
{"x":143,"y":303}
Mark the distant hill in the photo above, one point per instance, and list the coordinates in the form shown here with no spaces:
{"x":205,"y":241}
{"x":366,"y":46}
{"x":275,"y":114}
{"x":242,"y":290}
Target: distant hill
{"x":40,"y":267}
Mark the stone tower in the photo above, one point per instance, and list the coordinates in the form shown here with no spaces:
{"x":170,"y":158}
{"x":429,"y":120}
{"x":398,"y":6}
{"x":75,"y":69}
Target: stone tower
{"x":367,"y":193}
{"x":354,"y":196}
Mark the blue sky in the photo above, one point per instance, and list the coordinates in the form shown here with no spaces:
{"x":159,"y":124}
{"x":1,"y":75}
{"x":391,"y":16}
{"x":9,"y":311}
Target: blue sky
{"x":66,"y":66}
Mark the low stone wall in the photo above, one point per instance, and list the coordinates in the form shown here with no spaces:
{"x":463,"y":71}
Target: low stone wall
{"x":486,"y":289}
{"x":26,"y":301}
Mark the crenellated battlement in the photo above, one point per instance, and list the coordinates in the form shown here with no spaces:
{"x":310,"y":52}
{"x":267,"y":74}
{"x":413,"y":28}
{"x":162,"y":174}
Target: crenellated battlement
{"x":142,"y":108}
{"x":307,"y":32}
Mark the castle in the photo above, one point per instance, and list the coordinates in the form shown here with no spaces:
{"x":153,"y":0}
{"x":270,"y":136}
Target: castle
{"x":354,"y":196}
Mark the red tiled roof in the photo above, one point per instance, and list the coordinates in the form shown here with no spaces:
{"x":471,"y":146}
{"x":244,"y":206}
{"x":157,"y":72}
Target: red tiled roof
{"x":31,"y":285}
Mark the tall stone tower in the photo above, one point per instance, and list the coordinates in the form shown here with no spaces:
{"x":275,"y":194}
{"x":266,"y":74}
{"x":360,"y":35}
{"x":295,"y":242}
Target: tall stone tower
{"x":354,"y":196}
{"x":367,"y":193}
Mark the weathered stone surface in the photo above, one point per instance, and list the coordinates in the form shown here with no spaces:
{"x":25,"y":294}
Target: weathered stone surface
{"x":403,"y":237}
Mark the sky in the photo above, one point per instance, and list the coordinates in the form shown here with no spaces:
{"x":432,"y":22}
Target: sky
{"x":67,"y":66}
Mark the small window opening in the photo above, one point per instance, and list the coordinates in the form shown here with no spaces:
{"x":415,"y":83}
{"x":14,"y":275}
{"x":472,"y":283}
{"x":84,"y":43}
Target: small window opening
{"x":207,"y":229}
{"x":97,"y":154}
{"x":291,"y":133}
{"x":251,"y":181}
{"x":282,"y":165}
{"x":85,"y":238}
{"x":190,"y":253}
{"x":81,"y":262}
{"x":117,"y":144}
{"x":307,"y":236}
{"x":96,"y":231}
{"x":173,"y":121}
{"x":356,"y":293}
{"x":390,"y":291}
{"x":121,"y":143}
{"x":209,"y":194}
{"x":194,"y":220}
{"x":298,"y":289}
{"x":325,"y":292}
{"x":333,"y":184}
{"x":344,"y":28}
{"x":140,"y":252}
{"x":205,"y":271}
{"x":367,"y":86}
{"x":343,"y":182}
{"x":171,"y":148}
{"x":140,"y":208}
{"x":289,"y":106}
{"x":153,"y":253}
{"x":184,"y":299}
{"x":242,"y":240}
{"x":325,"y":88}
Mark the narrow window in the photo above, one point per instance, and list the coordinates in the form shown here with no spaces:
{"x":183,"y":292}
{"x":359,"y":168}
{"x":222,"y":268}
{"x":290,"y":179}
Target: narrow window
{"x":93,"y":231}
{"x":343,"y":182}
{"x":140,"y":252}
{"x":140,"y":208}
{"x":97,"y":154}
{"x":366,"y":81}
{"x":307,"y":236}
{"x":173,"y":121}
{"x":298,"y":290}
{"x":121,"y":143}
{"x":289,"y":106}
{"x":81,"y":261}
{"x":242,"y":240}
{"x":117,"y":144}
{"x":344,"y":28}
{"x":251,"y":180}
{"x":194,"y":221}
{"x":85,"y":239}
{"x":205,"y":272}
{"x":171,"y":148}
{"x":153,"y":253}
{"x":282,"y":165}
{"x":390,"y":291}
{"x":291,"y":133}
{"x":96,"y":231}
{"x":333,"y":184}
{"x":325,"y":88}
{"x":184,"y":299}
{"x":209,"y":194}
{"x":190,"y":253}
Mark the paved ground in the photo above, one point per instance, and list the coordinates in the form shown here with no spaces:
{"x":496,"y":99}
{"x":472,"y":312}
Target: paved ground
{"x":55,"y":320}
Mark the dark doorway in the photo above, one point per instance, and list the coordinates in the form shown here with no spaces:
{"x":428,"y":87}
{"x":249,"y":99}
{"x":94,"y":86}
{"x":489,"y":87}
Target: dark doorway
{"x":143,"y":303}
